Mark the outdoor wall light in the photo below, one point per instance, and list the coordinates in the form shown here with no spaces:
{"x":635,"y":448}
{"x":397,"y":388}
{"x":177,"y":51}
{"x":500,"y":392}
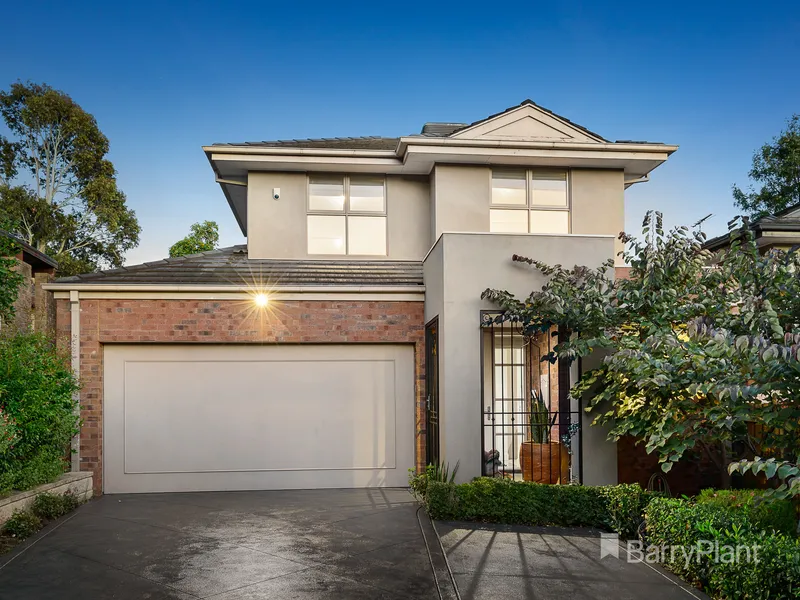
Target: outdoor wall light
{"x":261,"y":300}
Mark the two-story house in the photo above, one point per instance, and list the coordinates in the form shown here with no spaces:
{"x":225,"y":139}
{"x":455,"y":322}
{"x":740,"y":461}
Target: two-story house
{"x":347,"y":341}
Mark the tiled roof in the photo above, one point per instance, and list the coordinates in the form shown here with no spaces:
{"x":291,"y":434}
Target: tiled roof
{"x":30,"y":254}
{"x":432,"y":129}
{"x":342,"y":143}
{"x":441,"y":129}
{"x":230,"y":266}
{"x":786,"y":222}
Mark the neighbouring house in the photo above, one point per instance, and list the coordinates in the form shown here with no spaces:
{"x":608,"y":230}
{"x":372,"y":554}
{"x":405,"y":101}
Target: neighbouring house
{"x":347,"y":342}
{"x":780,"y":231}
{"x":35,"y":308}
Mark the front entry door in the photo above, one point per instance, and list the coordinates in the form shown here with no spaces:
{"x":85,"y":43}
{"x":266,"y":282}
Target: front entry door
{"x":432,"y":392}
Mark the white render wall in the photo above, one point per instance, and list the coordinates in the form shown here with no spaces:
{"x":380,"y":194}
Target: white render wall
{"x":458,"y":269}
{"x":277,"y":228}
{"x":455,"y":198}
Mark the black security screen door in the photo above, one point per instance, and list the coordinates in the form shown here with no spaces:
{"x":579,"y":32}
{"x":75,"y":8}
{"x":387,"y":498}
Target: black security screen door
{"x":531,"y":426}
{"x":432,"y":392}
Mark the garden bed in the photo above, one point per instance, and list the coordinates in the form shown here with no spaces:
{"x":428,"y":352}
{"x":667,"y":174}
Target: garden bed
{"x":77,"y":484}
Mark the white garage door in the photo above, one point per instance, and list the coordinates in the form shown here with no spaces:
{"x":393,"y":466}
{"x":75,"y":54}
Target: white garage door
{"x":207,"y":417}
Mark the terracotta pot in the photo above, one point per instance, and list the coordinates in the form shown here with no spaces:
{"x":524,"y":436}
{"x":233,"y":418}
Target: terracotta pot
{"x":544,"y":463}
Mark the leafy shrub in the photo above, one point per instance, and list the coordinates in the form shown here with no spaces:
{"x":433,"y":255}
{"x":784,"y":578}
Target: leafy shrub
{"x":8,"y":433}
{"x":777,"y":515}
{"x":526,"y":503}
{"x":418,"y":482}
{"x":48,"y":506}
{"x":625,"y":506}
{"x":776,"y":574}
{"x":22,"y":524}
{"x":36,"y":387}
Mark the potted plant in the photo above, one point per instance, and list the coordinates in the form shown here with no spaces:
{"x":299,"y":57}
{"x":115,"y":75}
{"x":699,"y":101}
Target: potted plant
{"x":543,"y":460}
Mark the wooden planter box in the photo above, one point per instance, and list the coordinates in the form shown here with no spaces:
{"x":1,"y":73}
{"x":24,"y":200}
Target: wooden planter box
{"x":544,"y":463}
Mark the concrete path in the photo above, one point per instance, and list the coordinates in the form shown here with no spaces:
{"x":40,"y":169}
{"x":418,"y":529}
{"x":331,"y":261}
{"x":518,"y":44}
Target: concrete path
{"x":353,"y":544}
{"x":516,"y":563}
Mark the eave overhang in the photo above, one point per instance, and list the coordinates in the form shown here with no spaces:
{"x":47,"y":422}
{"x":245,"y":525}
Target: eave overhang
{"x":417,"y":155}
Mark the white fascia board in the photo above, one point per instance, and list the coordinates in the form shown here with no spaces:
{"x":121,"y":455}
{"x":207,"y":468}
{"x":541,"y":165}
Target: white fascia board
{"x":215,"y":151}
{"x":233,"y":164}
{"x":407,"y":142}
{"x":299,"y":289}
{"x":248,"y":296}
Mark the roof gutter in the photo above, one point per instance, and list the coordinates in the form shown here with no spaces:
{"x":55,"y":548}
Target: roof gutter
{"x":629,"y":182}
{"x":599,"y":146}
{"x":278,"y":289}
{"x":296,"y":151}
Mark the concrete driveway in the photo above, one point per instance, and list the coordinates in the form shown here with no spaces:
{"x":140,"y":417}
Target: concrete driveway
{"x":520,"y":563}
{"x":350,"y":544}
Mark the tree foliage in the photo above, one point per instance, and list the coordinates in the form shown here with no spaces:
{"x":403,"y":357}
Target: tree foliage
{"x":776,"y":167}
{"x":10,"y":278}
{"x":57,"y":184}
{"x":203,"y":236}
{"x":701,"y":350}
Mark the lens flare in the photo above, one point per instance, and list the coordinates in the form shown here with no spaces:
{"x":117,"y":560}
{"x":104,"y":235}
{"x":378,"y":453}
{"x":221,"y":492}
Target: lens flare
{"x":261,"y":300}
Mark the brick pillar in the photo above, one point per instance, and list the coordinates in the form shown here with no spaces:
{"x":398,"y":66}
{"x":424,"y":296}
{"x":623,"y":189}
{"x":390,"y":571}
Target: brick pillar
{"x":44,"y":305}
{"x":22,"y":307}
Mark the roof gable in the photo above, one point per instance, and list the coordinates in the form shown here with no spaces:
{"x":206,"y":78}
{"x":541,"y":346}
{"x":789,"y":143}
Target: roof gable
{"x":527,"y":122}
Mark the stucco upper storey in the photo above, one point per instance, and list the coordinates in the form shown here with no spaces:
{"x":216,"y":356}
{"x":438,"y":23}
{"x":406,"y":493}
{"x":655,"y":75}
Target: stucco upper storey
{"x":436,"y":181}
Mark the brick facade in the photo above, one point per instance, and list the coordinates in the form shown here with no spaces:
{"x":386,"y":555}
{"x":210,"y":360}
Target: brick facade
{"x":690,"y":475}
{"x":230,"y":321}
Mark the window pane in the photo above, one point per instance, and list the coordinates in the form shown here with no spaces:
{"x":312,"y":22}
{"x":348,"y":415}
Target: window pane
{"x":509,"y":382}
{"x":549,"y":221}
{"x":366,"y":194}
{"x":508,"y":221}
{"x":325,"y":235}
{"x":366,"y":235}
{"x":549,"y":188}
{"x":508,"y":348}
{"x":508,"y":187}
{"x":326,"y":193}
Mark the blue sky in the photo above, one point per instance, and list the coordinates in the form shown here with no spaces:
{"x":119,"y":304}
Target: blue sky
{"x":162,"y":79}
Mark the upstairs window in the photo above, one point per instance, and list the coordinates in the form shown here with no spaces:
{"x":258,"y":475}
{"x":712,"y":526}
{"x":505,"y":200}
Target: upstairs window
{"x":346,"y":215}
{"x":529,"y":201}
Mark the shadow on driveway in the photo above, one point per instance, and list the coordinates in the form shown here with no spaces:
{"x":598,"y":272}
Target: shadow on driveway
{"x":353,"y":544}
{"x":509,"y":562}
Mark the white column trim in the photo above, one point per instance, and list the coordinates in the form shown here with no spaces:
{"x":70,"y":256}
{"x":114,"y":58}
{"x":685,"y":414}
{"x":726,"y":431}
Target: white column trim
{"x":75,"y":350}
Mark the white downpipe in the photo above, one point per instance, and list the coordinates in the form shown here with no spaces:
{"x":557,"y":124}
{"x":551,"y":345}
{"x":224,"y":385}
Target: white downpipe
{"x":75,"y":349}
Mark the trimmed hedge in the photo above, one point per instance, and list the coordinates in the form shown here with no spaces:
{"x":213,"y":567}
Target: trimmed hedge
{"x":777,"y":515}
{"x":618,"y":508}
{"x":726,"y":521}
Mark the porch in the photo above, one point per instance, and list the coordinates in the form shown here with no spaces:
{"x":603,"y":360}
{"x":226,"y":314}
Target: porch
{"x":493,"y":406}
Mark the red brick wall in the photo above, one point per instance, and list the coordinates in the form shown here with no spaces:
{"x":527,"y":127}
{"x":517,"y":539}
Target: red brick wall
{"x":688,"y":476}
{"x":230,"y":321}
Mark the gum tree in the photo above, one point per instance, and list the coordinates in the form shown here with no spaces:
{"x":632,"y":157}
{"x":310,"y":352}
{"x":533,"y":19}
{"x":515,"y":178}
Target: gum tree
{"x":56,"y":182}
{"x":695,"y":345}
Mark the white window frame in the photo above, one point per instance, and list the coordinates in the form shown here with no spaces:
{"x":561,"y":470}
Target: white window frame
{"x":529,"y":205}
{"x":347,"y":212}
